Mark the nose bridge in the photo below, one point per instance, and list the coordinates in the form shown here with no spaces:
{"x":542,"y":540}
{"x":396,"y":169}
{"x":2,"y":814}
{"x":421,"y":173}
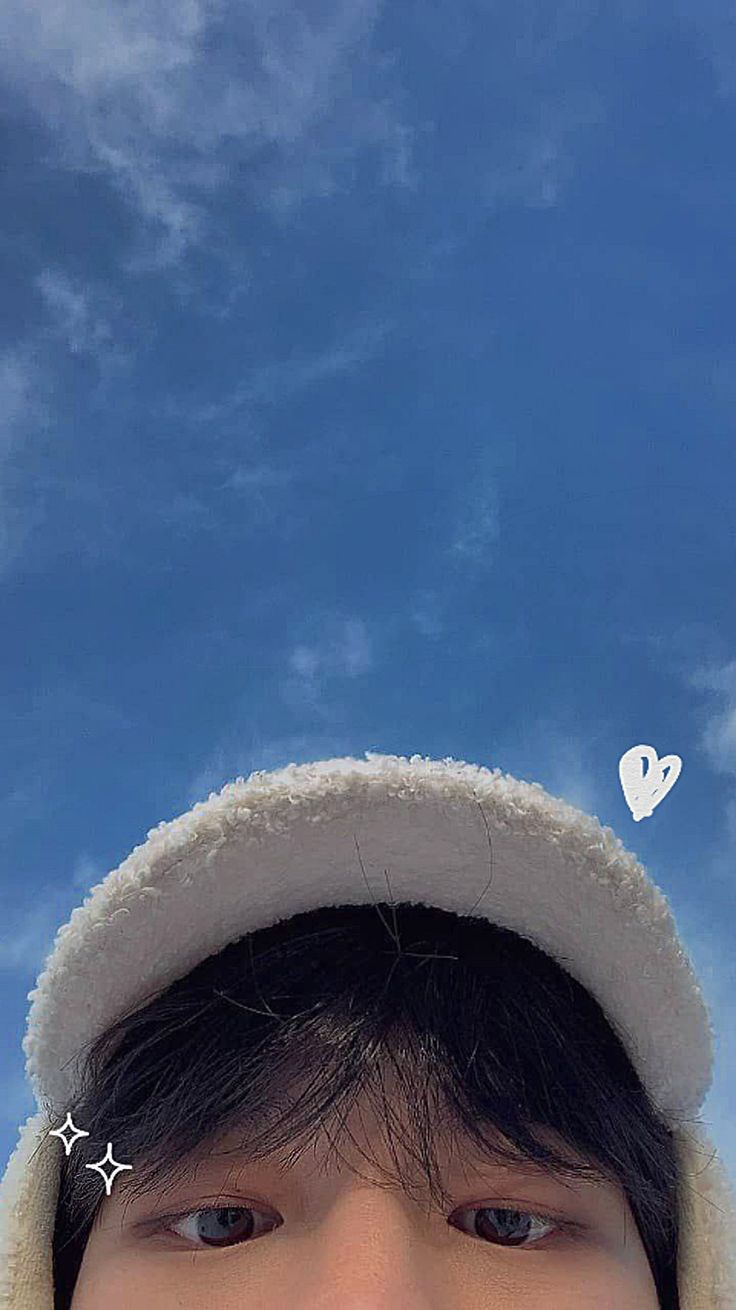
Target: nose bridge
{"x":368,"y":1252}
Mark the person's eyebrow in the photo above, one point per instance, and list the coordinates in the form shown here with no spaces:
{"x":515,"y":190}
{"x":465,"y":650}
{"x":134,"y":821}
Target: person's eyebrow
{"x":182,"y":1172}
{"x":206,"y":1166}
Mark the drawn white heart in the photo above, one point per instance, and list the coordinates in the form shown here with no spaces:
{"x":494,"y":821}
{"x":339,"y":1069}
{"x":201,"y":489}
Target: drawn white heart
{"x":643,"y":791}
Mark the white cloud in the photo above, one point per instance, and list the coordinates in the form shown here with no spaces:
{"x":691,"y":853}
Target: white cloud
{"x":477,"y":524}
{"x":237,"y":758}
{"x":22,"y":401}
{"x":556,"y":755}
{"x":717,"y":743}
{"x":32,"y":917}
{"x":75,"y":317}
{"x":27,"y":392}
{"x":343,"y":650}
{"x":23,"y":412}
{"x":344,"y":653}
{"x":352,"y":655}
{"x":571,"y":774}
{"x":258,"y":477}
{"x":718,"y":738}
{"x":277,"y":380}
{"x":28,"y":934}
{"x":158,"y":96}
{"x":87,"y":873}
{"x":71,"y":312}
{"x":713,"y":23}
{"x":536,"y":160}
{"x":26,"y":387}
{"x":16,"y":1099}
{"x":425,"y":613}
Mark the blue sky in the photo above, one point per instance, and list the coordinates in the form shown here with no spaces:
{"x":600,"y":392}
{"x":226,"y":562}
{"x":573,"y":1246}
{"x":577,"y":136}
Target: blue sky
{"x":367,"y":382}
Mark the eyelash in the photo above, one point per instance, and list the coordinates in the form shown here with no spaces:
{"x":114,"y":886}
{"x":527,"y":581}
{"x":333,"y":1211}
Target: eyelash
{"x":562,"y":1228}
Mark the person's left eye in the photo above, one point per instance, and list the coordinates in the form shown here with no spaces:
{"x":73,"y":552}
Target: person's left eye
{"x":224,"y":1226}
{"x":507,"y":1227}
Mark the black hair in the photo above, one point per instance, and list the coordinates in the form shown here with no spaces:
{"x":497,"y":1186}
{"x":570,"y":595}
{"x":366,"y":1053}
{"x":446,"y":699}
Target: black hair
{"x":479,"y":1024}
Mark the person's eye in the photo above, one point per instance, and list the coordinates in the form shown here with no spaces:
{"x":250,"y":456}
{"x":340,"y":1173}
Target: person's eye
{"x":229,"y":1225}
{"x":508,"y":1227}
{"x":225,"y":1225}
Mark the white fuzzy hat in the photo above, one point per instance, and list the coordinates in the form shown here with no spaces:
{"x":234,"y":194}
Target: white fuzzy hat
{"x":448,"y":834}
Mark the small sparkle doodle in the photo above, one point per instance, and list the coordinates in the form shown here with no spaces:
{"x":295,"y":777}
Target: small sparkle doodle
{"x":644,"y":789}
{"x":108,"y":1159}
{"x":68,"y":1141}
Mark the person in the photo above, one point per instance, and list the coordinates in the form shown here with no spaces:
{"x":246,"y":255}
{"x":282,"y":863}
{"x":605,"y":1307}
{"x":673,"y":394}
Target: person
{"x":369,"y":1033}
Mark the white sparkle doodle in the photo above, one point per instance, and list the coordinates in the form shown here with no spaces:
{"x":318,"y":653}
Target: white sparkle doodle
{"x":108,"y":1159}
{"x":76,"y":1133}
{"x":644,"y":790}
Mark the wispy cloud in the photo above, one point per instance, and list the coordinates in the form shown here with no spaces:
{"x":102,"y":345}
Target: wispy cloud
{"x":476,"y":521}
{"x":571,"y":772}
{"x":717,"y":743}
{"x":425,"y":612}
{"x":28,"y":933}
{"x":87,"y":872}
{"x":277,"y":380}
{"x":258,"y":478}
{"x":555,"y":753}
{"x":245,"y":751}
{"x":24,"y":411}
{"x":19,"y":401}
{"x":29,"y":382}
{"x":75,"y":317}
{"x":16,"y":1099}
{"x":712,"y":23}
{"x":538,"y":160}
{"x":29,"y":927}
{"x":89,"y":322}
{"x":314,"y":670}
{"x":344,"y":651}
{"x":718,"y":739}
{"x":251,"y":474}
{"x":159,"y":98}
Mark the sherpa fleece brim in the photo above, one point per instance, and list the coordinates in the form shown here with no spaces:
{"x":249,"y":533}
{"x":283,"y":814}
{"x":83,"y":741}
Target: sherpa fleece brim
{"x":284,"y":842}
{"x":345,"y":831}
